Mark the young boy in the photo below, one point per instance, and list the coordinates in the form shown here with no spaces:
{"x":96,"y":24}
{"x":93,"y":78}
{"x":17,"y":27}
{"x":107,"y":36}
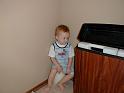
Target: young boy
{"x":61,"y":54}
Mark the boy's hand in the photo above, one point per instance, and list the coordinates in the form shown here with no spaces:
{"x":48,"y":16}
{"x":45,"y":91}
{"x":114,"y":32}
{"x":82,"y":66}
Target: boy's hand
{"x":59,"y":68}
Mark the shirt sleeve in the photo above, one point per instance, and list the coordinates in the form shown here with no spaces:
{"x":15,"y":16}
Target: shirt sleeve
{"x":51,"y":51}
{"x":71,"y":52}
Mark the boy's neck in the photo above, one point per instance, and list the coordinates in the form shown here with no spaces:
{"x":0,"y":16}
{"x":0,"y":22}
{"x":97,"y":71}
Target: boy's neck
{"x":60,"y":45}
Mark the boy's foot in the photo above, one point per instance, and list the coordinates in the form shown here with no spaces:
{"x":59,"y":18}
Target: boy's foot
{"x":46,"y":90}
{"x":61,"y":86}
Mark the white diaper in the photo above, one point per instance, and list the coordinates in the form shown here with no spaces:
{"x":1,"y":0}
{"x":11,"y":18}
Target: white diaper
{"x":59,"y":76}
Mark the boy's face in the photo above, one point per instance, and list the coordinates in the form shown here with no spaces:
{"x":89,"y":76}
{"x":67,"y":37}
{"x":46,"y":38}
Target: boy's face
{"x":62,"y":37}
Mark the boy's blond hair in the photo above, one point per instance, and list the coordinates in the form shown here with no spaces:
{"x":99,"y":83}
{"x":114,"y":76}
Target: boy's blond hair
{"x":62,"y":28}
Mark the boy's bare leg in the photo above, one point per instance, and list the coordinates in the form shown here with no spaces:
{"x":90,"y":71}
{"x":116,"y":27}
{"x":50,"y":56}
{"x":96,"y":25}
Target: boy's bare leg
{"x":51,"y":79}
{"x":64,"y":80}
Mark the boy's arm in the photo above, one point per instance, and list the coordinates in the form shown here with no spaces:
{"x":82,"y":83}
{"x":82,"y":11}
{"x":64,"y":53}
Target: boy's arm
{"x":56,"y":63}
{"x":69,"y":62}
{"x":70,"y":59}
{"x":69,"y":65}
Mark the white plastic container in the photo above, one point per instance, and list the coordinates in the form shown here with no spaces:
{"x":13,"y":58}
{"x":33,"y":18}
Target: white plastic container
{"x":97,"y":46}
{"x":58,"y":77}
{"x":120,"y":53}
{"x":84,"y":45}
{"x":110,"y":50}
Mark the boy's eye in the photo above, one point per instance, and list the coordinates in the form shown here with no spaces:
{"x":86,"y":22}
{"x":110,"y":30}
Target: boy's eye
{"x":67,"y":38}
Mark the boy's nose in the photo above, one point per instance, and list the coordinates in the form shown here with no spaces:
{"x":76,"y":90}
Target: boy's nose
{"x":66,"y":40}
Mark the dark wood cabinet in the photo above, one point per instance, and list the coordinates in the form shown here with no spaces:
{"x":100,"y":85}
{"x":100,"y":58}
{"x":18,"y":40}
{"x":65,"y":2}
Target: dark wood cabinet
{"x":98,"y":73}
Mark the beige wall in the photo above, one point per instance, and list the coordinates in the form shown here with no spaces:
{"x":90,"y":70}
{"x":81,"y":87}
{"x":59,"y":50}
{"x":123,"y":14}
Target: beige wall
{"x":26,"y":28}
{"x":76,"y":12}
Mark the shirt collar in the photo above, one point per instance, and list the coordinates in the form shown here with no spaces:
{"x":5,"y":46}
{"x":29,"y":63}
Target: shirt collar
{"x":60,"y":44}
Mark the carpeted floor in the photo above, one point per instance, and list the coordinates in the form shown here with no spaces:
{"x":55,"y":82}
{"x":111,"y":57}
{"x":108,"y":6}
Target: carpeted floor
{"x":55,"y":89}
